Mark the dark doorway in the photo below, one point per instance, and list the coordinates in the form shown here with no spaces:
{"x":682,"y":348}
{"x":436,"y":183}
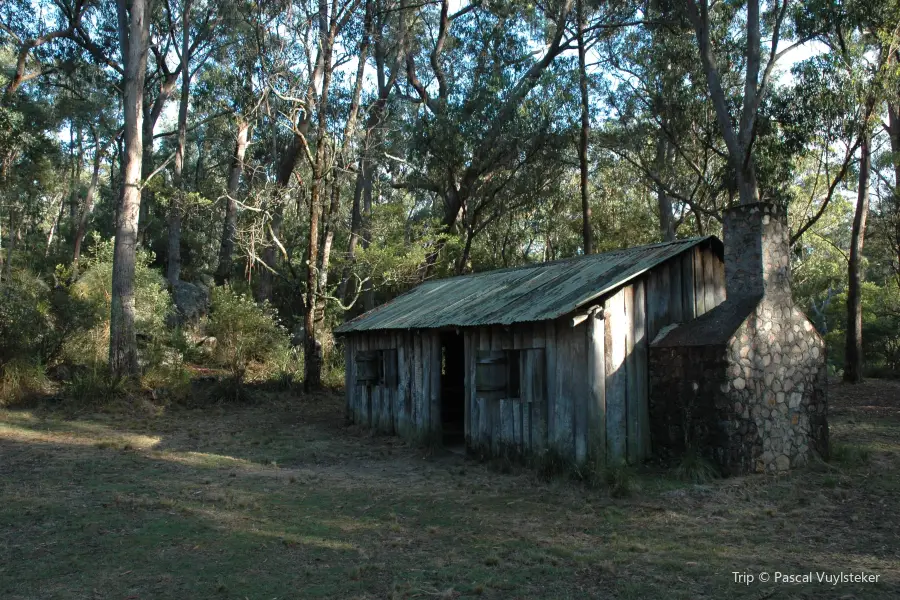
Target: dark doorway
{"x":453,"y":389}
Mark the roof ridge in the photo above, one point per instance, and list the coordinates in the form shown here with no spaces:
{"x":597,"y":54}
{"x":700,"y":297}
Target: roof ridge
{"x":533,"y":292}
{"x":690,"y":240}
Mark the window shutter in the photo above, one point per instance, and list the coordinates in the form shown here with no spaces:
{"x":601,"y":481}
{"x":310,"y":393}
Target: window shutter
{"x":389,"y":368}
{"x":491,"y":375}
{"x":366,"y":367}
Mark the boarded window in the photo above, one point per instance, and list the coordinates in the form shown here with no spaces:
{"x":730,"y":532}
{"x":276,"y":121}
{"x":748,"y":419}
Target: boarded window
{"x":497,"y":374}
{"x":367,"y":367}
{"x":376,"y":367}
{"x":388,"y":375}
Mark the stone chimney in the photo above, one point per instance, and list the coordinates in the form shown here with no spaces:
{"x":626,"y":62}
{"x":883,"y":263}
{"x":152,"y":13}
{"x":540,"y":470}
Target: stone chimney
{"x":757,"y":253}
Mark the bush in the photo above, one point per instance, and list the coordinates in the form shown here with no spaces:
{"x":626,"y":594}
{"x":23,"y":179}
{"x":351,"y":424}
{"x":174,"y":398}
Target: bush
{"x":20,"y":381}
{"x":695,"y":468}
{"x":246,"y":333}
{"x":94,"y":290}
{"x":26,"y":320}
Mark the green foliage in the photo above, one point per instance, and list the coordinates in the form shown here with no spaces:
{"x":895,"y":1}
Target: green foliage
{"x":152,"y":302}
{"x":26,"y":320}
{"x":881,"y":324}
{"x":695,"y":468}
{"x":20,"y":381}
{"x":850,"y":455}
{"x":245,"y":332}
{"x":95,"y":388}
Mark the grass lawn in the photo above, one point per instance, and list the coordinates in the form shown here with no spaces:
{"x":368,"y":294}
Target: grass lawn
{"x":282,"y":500}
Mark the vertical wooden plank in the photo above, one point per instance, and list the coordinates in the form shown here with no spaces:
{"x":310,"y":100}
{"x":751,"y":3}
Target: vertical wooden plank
{"x":425,"y":400}
{"x":539,"y":399}
{"x":434,"y":404}
{"x":571,"y":384}
{"x":365,"y":397}
{"x":485,"y":432}
{"x":699,"y":297}
{"x":516,"y":427}
{"x":536,"y":334}
{"x":639,"y":412}
{"x":719,"y":274}
{"x":674,"y":283}
{"x":581,"y":392}
{"x":709,"y":279}
{"x":348,"y":373}
{"x":527,"y":370}
{"x":688,"y":306}
{"x":401,"y":408}
{"x":631,"y":393}
{"x":468,"y":378}
{"x":658,"y":296}
{"x":418,"y":389}
{"x":494,"y":406}
{"x":596,"y":372}
{"x":527,"y":336}
{"x":543,"y":427}
{"x":616,"y":377}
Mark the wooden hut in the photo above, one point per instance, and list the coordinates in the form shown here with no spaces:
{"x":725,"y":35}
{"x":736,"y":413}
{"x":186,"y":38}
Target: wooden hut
{"x":549,"y":357}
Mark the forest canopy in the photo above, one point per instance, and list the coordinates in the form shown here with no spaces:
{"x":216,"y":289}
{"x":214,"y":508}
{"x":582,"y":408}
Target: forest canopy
{"x":170,"y":166}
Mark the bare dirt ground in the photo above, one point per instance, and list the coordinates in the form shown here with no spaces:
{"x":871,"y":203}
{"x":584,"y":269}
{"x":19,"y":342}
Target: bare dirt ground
{"x":283,"y":500}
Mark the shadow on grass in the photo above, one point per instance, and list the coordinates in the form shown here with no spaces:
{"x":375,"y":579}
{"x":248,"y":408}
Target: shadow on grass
{"x":281,"y":500}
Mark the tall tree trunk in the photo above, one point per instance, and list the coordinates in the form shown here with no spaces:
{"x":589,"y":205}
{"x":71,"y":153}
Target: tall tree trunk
{"x":312,"y":350}
{"x":134,"y":37}
{"x":81,"y":227}
{"x":894,"y":134}
{"x":586,"y":233}
{"x":56,"y":223}
{"x":10,"y":246}
{"x":663,"y":202}
{"x":176,"y":205}
{"x":853,"y":358}
{"x":229,"y":230}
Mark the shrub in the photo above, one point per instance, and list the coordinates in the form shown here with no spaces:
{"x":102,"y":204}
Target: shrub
{"x":246,"y":333}
{"x":26,"y":320}
{"x":21,"y":380}
{"x":94,"y":289}
{"x":695,"y":468}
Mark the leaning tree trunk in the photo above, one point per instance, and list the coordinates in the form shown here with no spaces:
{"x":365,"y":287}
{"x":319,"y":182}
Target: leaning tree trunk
{"x":229,"y":230}
{"x":176,"y":204}
{"x":853,"y":358}
{"x":586,"y":233}
{"x":88,"y":206}
{"x":663,"y":202}
{"x":134,"y":36}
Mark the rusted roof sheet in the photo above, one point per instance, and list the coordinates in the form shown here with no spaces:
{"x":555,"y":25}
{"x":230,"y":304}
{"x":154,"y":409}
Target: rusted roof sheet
{"x":536,"y":292}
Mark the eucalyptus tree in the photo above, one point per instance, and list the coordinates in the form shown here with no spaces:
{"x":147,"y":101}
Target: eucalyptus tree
{"x":469,"y":137}
{"x":718,"y":26}
{"x":134,"y":39}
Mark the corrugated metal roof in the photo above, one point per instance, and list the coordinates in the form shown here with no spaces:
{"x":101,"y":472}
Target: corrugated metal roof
{"x":534,"y":292}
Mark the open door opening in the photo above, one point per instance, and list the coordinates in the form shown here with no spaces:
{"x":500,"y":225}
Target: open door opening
{"x":453,"y":390}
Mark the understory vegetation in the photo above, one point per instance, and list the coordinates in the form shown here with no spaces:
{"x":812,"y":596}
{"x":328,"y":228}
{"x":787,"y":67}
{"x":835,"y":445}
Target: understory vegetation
{"x":322,"y":158}
{"x":55,"y":341}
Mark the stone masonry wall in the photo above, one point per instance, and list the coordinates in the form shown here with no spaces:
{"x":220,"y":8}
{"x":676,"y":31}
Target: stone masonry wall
{"x":776,"y":379}
{"x":750,"y":393}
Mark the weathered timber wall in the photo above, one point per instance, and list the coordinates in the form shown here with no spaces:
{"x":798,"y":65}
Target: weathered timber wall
{"x":583,"y":389}
{"x":411,"y":408}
